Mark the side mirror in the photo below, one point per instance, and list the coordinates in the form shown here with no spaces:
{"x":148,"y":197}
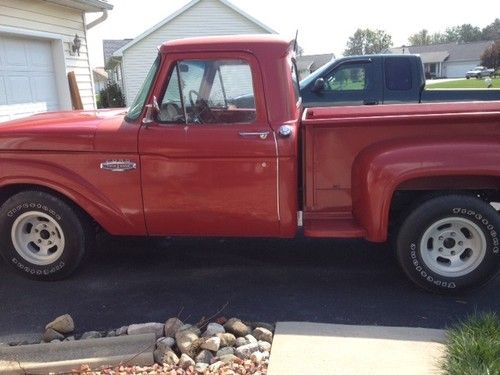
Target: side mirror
{"x":151,"y":111}
{"x":319,"y":85}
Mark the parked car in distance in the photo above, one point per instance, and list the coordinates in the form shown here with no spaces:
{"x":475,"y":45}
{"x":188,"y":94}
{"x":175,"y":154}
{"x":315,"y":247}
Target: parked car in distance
{"x":480,"y":72}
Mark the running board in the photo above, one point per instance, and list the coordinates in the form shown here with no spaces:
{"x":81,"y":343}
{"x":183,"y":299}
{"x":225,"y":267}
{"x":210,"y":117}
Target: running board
{"x":333,"y":227}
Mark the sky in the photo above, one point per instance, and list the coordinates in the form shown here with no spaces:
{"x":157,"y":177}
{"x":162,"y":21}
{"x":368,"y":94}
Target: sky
{"x":324,"y":26}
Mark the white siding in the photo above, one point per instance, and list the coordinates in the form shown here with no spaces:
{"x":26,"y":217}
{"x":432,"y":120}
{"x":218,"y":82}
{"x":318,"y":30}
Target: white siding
{"x":208,"y":17}
{"x":458,"y":69}
{"x":36,"y":15}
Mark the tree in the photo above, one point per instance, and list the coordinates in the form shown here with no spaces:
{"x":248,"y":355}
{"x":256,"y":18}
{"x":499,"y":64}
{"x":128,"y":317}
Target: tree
{"x":465,"y":33}
{"x":422,"y":38}
{"x":491,"y":57}
{"x":366,"y":42}
{"x":492,"y":31}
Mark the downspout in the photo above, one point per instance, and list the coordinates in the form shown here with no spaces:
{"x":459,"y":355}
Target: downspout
{"x":101,"y":19}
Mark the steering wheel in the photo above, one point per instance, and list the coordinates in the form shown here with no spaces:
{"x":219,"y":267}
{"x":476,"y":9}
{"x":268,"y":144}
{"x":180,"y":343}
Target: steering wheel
{"x":200,"y":107}
{"x":170,"y":112}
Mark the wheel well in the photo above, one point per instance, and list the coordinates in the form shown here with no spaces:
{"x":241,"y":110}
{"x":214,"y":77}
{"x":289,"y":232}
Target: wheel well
{"x":8,"y":191}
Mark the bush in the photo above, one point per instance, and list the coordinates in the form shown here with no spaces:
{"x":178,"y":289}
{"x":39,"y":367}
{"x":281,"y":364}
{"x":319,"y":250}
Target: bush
{"x":473,"y":347}
{"x":111,"y":97}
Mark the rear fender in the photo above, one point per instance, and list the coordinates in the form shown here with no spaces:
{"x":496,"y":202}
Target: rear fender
{"x":381,"y":169}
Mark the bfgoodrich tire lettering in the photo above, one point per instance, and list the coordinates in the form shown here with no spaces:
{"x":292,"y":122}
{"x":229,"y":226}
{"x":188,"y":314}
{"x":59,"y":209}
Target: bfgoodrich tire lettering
{"x":450,"y":243}
{"x":42,"y":236}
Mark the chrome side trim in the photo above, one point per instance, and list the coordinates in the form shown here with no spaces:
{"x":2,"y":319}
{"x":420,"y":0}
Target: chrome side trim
{"x":118,"y":165}
{"x":300,"y":218}
{"x":277,"y":177}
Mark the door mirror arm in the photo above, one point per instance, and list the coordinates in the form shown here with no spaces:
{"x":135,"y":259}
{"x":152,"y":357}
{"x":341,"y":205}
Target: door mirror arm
{"x":151,"y":111}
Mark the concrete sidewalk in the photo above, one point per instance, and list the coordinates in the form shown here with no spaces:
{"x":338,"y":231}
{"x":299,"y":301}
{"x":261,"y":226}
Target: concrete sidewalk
{"x":325,"y":349}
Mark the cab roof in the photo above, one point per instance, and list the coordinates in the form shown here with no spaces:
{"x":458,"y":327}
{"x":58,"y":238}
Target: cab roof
{"x":267,"y":45}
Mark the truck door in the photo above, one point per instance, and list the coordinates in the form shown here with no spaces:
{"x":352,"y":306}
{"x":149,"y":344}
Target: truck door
{"x":208,"y":155}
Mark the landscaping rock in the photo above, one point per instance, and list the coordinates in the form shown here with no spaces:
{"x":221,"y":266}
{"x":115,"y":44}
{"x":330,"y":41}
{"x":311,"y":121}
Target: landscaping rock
{"x":264,"y":346}
{"x":195,"y":348}
{"x":267,"y":326}
{"x":185,"y":361}
{"x":91,"y":335}
{"x":51,"y":334}
{"x":184,"y":339}
{"x":70,"y":338}
{"x":172,"y":326}
{"x":240,"y":341}
{"x":265,"y":355}
{"x":226,"y":339}
{"x":225,"y":351}
{"x":250,"y":339}
{"x":257,"y":357}
{"x":168,"y":356}
{"x":122,"y":331}
{"x":237,"y":327}
{"x":212,"y":343}
{"x":62,"y":324}
{"x":213,"y":329}
{"x":245,"y":351}
{"x":111,"y":333}
{"x":204,"y":357}
{"x":201,"y":367}
{"x":165,"y":343}
{"x":263,"y":334}
{"x":214,"y":367}
{"x":55,"y":340}
{"x":137,"y":329}
{"x":229,"y":358}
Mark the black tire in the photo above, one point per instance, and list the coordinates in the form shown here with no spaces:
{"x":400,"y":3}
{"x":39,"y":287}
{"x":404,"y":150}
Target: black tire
{"x":475,"y":248}
{"x":62,"y":245}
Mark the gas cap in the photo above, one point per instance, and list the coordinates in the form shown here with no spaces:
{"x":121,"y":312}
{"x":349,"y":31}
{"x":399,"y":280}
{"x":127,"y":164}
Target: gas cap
{"x":285,"y":130}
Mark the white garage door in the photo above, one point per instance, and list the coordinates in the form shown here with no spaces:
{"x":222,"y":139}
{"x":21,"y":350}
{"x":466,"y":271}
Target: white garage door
{"x":458,"y":69}
{"x":27,"y":77}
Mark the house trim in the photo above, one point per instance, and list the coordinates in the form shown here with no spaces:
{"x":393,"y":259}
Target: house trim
{"x":119,"y":52}
{"x":57,"y":45}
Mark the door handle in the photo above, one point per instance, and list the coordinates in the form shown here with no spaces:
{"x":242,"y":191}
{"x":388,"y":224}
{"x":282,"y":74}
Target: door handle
{"x":261,"y":135}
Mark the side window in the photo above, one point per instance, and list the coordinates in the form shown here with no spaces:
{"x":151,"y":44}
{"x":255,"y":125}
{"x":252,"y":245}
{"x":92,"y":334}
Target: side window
{"x":398,"y":74}
{"x":349,"y":77}
{"x":209,"y":92}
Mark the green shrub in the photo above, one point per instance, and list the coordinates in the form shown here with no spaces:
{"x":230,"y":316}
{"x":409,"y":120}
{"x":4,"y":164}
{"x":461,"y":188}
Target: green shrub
{"x":111,"y":97}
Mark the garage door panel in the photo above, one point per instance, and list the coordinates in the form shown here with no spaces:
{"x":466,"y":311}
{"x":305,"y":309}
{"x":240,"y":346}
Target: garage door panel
{"x":27,"y":77}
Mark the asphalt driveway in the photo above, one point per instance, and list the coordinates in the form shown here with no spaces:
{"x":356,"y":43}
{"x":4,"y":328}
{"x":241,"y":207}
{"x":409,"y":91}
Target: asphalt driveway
{"x":130,"y":280}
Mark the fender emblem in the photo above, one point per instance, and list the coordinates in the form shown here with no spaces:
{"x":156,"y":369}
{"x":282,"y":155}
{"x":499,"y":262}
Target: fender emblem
{"x":118,"y":165}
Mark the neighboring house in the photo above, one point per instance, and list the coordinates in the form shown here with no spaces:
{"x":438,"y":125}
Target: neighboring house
{"x":37,"y":52}
{"x":113,"y":64}
{"x":197,"y":18}
{"x":306,"y":64}
{"x":100,"y":79}
{"x":449,"y":60}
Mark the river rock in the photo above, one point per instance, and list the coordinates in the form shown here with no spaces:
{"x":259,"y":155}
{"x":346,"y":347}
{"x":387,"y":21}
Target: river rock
{"x":51,"y":334}
{"x":172,"y":326}
{"x":204,"y":357}
{"x":62,"y":324}
{"x":122,"y":331}
{"x":185,"y":361}
{"x":250,"y":339}
{"x":245,"y":351}
{"x":184,"y":339}
{"x":257,"y":357}
{"x":240,"y":341}
{"x":165,"y":343}
{"x":237,"y":327}
{"x":165,"y":357}
{"x":214,"y":367}
{"x":226,"y":339}
{"x":263,"y":334}
{"x":201,"y":367}
{"x":212,"y":344}
{"x":229,"y":358}
{"x":91,"y":335}
{"x":213,"y":329}
{"x":137,"y":329}
{"x":225,"y":351}
{"x":264,"y":346}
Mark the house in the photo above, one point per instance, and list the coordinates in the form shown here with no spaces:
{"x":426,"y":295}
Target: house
{"x":449,"y":60}
{"x":307,"y":64}
{"x":100,"y":79}
{"x":113,"y":64}
{"x":41,"y":41}
{"x":197,"y":18}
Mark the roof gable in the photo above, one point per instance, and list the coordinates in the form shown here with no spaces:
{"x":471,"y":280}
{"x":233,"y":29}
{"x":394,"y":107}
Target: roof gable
{"x":455,"y":51}
{"x":183,"y":10}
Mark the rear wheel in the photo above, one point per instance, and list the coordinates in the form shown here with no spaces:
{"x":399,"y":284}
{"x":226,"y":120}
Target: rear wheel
{"x":450,"y":243}
{"x":42,"y":236}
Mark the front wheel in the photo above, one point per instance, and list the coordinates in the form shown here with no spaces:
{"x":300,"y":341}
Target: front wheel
{"x":42,"y":236}
{"x":450,"y":243}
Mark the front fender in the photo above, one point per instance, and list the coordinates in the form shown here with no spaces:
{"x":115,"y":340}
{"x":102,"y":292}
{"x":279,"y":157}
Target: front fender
{"x":113,"y":201}
{"x":381,"y":168}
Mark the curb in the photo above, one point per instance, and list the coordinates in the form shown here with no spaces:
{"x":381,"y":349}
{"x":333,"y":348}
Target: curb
{"x":67,"y":355}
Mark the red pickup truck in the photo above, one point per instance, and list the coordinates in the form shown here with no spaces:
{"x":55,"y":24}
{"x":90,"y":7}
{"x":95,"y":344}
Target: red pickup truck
{"x":188,"y":159}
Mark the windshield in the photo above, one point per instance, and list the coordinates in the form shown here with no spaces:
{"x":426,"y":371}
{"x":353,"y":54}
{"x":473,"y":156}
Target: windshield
{"x":315,"y":75}
{"x":136,"y":108}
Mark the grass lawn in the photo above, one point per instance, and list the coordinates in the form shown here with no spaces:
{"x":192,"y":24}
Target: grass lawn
{"x":472,"y":83}
{"x":473,"y":347}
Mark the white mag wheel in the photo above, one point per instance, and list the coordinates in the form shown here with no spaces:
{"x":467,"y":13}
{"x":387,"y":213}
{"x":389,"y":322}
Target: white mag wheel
{"x":453,"y":247}
{"x":37,"y":238}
